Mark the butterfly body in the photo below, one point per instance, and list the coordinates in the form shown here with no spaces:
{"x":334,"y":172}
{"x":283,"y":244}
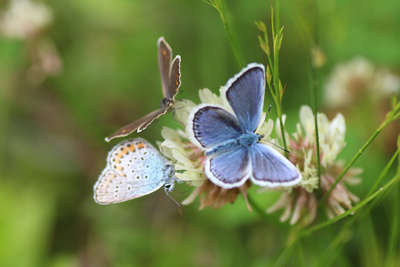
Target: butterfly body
{"x":166,"y":103}
{"x":134,"y":169}
{"x":231,"y":144}
{"x":170,"y":71}
{"x":245,"y":140}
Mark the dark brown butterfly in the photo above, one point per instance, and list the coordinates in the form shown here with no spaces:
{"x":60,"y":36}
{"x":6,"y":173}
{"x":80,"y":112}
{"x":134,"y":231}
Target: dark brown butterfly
{"x":170,"y":81}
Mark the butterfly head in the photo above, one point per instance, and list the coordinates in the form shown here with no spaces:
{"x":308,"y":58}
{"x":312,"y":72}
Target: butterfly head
{"x":169,"y":176}
{"x":166,"y":102}
{"x":168,"y":187}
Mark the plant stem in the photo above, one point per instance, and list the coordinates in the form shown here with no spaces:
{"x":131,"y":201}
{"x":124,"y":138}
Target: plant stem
{"x":314,"y":90}
{"x":394,"y":230}
{"x":350,"y":211}
{"x":383,"y":125}
{"x":395,"y":222}
{"x":346,"y":228}
{"x":257,"y":208}
{"x":279,"y":109}
{"x":374,"y":196}
{"x":239,"y":57}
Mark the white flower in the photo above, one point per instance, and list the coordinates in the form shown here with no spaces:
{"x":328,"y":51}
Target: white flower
{"x":183,"y":155}
{"x":300,"y":202}
{"x":24,"y":19}
{"x":359,"y":77}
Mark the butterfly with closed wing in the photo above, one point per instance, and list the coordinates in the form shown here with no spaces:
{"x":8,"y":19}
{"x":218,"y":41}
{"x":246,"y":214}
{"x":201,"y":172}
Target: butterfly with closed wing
{"x":134,"y":169}
{"x":170,"y":81}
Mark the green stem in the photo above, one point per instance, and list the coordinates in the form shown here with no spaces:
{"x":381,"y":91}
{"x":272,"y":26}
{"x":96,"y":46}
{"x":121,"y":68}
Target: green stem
{"x":279,"y":108}
{"x":278,"y":17}
{"x":374,"y":196}
{"x":276,"y":40}
{"x":345,"y":228}
{"x":383,"y":125}
{"x":395,"y":222}
{"x":351,"y":211}
{"x":238,"y":56}
{"x":384,"y":172}
{"x":284,"y":256}
{"x":394,"y":231}
{"x":314,"y":89}
{"x":257,"y":208}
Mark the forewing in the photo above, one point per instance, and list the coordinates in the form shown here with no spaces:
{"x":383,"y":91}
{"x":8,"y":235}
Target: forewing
{"x":140,"y":124}
{"x":245,"y":93}
{"x":210,"y":126}
{"x":270,"y":168}
{"x":229,"y":169}
{"x":164,"y":63}
{"x":135,"y":168}
{"x":174,"y":78}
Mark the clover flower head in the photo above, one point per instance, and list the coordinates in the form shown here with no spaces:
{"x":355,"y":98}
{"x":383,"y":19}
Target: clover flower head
{"x":359,"y":77}
{"x":300,"y":202}
{"x":24,"y":19}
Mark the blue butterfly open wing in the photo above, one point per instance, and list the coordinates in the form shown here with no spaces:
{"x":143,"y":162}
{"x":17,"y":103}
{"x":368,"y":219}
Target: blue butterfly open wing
{"x":212,"y":126}
{"x":270,"y":168}
{"x":245,"y":93}
{"x":230,"y":168}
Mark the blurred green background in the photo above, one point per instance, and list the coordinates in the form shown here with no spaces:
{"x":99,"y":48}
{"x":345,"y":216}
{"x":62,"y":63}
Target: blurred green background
{"x":52,"y":130}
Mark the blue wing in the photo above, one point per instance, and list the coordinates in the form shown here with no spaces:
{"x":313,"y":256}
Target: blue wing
{"x":229,"y":169}
{"x":211,"y":126}
{"x":271,"y":169}
{"x":245,"y":93}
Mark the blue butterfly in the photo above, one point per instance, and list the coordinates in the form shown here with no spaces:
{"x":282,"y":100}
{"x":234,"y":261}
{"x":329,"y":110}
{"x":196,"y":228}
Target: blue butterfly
{"x":231,"y":145}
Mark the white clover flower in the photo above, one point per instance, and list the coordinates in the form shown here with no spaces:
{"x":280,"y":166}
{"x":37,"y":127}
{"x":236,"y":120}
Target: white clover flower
{"x":24,"y":18}
{"x":183,"y":156}
{"x":300,"y":202}
{"x":331,"y":134}
{"x":359,"y":77}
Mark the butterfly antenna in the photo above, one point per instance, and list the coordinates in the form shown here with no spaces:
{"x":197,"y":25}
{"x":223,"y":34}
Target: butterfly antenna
{"x":173,"y":114}
{"x":279,"y":147}
{"x":273,"y":143}
{"x":268,"y":110}
{"x":179,"y":206}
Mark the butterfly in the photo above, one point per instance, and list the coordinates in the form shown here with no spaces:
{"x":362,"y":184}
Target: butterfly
{"x":134,"y":169}
{"x":234,"y":153}
{"x":170,"y":81}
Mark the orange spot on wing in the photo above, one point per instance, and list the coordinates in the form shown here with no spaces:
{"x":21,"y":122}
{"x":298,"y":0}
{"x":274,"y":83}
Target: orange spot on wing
{"x":140,"y":145}
{"x":124,"y":151}
{"x":131,"y":147}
